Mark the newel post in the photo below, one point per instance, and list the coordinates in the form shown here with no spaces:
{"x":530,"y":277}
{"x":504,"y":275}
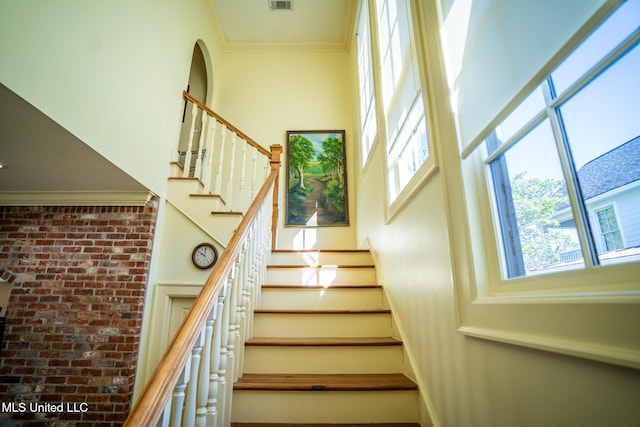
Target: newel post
{"x":276,"y":152}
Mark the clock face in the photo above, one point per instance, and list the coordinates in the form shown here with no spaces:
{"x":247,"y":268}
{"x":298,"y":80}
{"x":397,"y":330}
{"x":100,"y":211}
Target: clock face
{"x":204,"y":255}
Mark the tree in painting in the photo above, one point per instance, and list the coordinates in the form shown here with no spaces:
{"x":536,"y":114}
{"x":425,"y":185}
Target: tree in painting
{"x":332,"y":161}
{"x":301,"y":152}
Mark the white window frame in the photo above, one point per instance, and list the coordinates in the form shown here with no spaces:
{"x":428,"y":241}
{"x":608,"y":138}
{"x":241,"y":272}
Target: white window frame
{"x":560,"y":312}
{"x":404,"y":189}
{"x":366,"y":85}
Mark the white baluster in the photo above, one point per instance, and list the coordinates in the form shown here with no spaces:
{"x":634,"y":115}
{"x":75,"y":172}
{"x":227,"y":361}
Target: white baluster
{"x":187,"y":156}
{"x":254,"y":164}
{"x":211,"y":137}
{"x":243,"y":299}
{"x":214,"y":379}
{"x":177,"y":402}
{"x":202,"y":149}
{"x":165,"y":418}
{"x":223,"y":141}
{"x":267,"y":168}
{"x":230,"y":339}
{"x":241,"y":184}
{"x":189,"y":416}
{"x":233,"y":318}
{"x":204,"y":372}
{"x":229,"y":194}
{"x":225,"y":388}
{"x":251,"y":280}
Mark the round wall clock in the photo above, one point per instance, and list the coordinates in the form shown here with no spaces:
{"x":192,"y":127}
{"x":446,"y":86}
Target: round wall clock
{"x":204,"y":255}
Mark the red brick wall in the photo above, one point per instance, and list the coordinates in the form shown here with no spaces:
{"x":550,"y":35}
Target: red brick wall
{"x":79,"y":276}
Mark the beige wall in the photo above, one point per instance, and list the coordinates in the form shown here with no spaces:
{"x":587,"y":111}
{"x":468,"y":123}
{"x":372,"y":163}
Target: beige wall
{"x":268,"y":92}
{"x":111,"y":73}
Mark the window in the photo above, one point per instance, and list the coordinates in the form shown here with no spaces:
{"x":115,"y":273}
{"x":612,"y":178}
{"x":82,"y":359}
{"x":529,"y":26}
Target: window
{"x":368,"y":123}
{"x":609,"y":230}
{"x":404,"y":108}
{"x":529,"y":264}
{"x":574,"y":142}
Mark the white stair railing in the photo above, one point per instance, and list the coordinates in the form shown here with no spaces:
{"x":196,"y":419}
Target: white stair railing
{"x":193,"y":383}
{"x":211,"y":155}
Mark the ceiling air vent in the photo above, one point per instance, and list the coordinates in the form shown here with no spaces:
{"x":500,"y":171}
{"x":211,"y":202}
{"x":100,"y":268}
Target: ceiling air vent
{"x":280,"y":4}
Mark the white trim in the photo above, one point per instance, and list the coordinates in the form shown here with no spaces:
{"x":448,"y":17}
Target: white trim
{"x":417,"y":181}
{"x":75,"y":198}
{"x":422,"y":44}
{"x":158,"y":339}
{"x":196,"y":223}
{"x":592,"y":351}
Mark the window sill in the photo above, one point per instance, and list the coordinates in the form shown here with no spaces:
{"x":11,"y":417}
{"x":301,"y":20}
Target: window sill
{"x":421,"y":177}
{"x":619,"y":356}
{"x":596,"y":326}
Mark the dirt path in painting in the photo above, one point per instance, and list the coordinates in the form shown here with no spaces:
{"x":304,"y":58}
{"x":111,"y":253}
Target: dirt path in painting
{"x":314,"y":208}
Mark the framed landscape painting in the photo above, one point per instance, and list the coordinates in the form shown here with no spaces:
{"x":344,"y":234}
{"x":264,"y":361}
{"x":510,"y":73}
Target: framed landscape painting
{"x":316,"y":179}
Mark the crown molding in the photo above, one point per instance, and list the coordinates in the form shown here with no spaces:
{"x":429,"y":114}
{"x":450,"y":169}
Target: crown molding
{"x":75,"y":198}
{"x":229,"y":47}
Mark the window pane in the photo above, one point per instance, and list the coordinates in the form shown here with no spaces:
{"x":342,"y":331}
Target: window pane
{"x":406,"y":136}
{"x":395,"y":44}
{"x":368,"y":125}
{"x":603,"y":131}
{"x":369,"y":133}
{"x":610,"y":233}
{"x":522,"y":115}
{"x":536,"y":222}
{"x":614,"y":30}
{"x":414,"y":154}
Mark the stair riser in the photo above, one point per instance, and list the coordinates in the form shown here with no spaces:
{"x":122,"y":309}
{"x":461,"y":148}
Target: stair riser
{"x":323,"y":360}
{"x":321,"y":258}
{"x":324,"y":325}
{"x":321,"y":299}
{"x":199,"y":209}
{"x":325,"y":406}
{"x":181,"y":188}
{"x":321,"y":277}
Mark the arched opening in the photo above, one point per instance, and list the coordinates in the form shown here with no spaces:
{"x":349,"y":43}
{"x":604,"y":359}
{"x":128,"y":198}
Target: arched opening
{"x":198,"y":87}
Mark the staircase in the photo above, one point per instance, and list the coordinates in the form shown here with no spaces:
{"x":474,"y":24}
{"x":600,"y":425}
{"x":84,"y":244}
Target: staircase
{"x":205,"y":209}
{"x":321,"y":351}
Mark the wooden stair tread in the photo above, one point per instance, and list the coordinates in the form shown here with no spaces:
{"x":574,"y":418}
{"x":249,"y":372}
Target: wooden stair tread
{"x":324,"y":425}
{"x":226,"y":213}
{"x":324,"y":382}
{"x":323,"y":342}
{"x":291,"y":311}
{"x":311,"y":251}
{"x":320,"y":287}
{"x":205,"y":195}
{"x":320,"y":266}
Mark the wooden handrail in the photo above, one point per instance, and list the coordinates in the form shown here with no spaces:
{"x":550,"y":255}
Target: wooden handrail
{"x":151,"y":404}
{"x":219,"y":118}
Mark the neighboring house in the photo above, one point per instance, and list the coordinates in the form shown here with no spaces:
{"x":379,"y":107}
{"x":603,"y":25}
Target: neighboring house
{"x":611,"y":187}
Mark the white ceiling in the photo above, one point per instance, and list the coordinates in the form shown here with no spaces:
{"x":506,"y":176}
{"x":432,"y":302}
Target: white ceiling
{"x":309,"y":23}
{"x":42,"y":156}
